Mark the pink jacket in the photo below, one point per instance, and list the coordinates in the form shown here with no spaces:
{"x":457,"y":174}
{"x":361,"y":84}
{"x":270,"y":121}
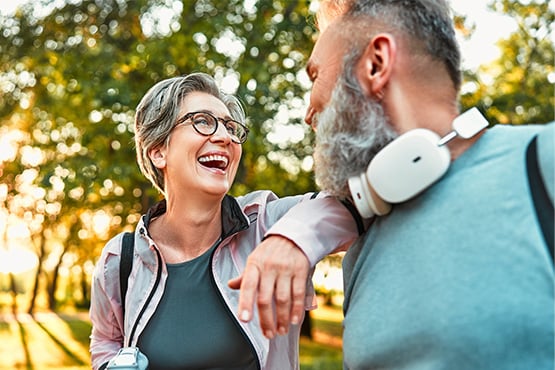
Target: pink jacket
{"x":318,"y":227}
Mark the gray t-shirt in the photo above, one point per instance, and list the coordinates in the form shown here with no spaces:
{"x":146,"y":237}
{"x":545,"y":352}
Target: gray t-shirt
{"x":192,"y":328}
{"x":458,"y":277}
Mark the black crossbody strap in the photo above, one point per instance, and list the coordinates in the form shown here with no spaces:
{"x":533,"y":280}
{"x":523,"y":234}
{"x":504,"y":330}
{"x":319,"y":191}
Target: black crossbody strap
{"x":125,"y":265}
{"x":542,"y":202}
{"x":356,"y":216}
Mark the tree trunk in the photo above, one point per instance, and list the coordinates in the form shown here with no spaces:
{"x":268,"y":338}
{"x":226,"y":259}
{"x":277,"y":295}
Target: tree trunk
{"x":52,"y":287}
{"x":40,"y":257}
{"x":13,"y":290}
{"x":306,"y":326}
{"x":35,"y":291}
{"x":86,"y":300}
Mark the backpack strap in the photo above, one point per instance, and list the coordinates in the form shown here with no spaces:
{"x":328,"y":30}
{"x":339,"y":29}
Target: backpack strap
{"x":125,"y":265}
{"x":545,"y":158}
{"x":356,"y":216}
{"x":542,"y":201}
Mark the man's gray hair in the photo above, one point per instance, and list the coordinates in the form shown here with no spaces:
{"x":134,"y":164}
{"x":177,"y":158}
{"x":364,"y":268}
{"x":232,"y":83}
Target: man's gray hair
{"x":427,"y":24}
{"x":159,"y":109}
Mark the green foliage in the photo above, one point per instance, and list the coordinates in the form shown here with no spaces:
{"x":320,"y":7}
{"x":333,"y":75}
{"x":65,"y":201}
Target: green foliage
{"x":318,"y":356}
{"x":522,"y":88}
{"x":72,"y":76}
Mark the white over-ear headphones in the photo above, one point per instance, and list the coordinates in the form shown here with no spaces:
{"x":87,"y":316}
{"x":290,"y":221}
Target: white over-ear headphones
{"x":409,"y":165}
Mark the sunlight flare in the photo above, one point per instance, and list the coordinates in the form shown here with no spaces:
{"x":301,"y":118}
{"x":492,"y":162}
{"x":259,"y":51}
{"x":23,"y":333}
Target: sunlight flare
{"x":16,"y":261}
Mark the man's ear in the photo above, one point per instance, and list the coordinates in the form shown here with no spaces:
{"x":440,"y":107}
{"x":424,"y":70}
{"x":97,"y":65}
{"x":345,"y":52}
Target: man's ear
{"x":376,"y":65}
{"x":158,"y":156}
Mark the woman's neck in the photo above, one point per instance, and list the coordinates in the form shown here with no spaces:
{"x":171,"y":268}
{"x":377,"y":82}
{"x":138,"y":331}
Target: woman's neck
{"x":187,"y":229}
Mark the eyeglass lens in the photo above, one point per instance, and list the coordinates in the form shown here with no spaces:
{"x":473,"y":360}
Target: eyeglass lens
{"x":207,"y":124}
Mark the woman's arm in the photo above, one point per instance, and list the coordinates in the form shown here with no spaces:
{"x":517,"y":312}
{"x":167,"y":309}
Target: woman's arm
{"x":277,"y":270}
{"x":319,"y":227}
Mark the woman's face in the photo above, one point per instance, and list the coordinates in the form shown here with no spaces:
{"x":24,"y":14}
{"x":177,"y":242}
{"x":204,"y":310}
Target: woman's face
{"x":197,"y":164}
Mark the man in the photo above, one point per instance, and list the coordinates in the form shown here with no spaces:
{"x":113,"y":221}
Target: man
{"x":458,"y":277}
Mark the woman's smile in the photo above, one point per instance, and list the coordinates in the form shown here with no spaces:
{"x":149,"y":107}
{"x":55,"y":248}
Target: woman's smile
{"x":214,"y":161}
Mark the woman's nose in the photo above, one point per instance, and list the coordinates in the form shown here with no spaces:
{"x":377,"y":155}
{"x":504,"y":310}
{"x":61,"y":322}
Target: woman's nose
{"x":221,"y":133}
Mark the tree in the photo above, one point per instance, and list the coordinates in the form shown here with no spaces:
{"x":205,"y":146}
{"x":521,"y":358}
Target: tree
{"x":71,"y":75}
{"x":521,"y":90}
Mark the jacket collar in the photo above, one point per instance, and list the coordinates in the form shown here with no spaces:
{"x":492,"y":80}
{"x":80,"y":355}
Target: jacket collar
{"x":233,"y":217}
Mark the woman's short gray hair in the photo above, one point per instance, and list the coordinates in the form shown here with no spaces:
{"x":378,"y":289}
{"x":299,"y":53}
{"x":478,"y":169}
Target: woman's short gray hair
{"x":159,"y":110}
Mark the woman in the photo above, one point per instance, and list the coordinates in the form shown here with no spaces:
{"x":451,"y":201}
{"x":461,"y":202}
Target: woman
{"x":179,"y":310}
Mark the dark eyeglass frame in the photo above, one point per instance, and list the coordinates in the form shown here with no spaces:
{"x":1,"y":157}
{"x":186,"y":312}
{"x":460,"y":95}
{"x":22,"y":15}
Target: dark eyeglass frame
{"x":238,"y":139}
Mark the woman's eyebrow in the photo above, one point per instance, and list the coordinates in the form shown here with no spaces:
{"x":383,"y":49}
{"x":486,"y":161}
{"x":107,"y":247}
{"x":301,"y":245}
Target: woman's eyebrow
{"x":225,"y":117}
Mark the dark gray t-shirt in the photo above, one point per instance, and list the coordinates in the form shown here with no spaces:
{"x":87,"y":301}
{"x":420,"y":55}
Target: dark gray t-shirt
{"x":192,"y":328}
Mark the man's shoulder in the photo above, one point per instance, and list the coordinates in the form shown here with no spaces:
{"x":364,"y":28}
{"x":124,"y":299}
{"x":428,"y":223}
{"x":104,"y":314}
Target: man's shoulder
{"x":546,"y":135}
{"x":521,"y":130}
{"x":514,"y":138}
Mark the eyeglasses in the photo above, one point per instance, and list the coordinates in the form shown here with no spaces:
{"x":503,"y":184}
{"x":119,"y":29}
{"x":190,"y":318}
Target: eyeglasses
{"x":206,"y":124}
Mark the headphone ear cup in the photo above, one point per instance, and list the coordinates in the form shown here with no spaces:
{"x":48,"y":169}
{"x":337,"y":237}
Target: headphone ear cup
{"x":360,"y":192}
{"x":408,"y":165}
{"x":367,"y":201}
{"x":400,"y":171}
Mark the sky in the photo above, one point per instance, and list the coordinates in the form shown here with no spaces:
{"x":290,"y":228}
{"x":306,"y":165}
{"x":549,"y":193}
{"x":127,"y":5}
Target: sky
{"x":490,"y":27}
{"x":480,"y":49}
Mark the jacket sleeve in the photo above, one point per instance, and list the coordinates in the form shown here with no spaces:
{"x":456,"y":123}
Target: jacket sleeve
{"x":318,"y":226}
{"x":105,"y":311}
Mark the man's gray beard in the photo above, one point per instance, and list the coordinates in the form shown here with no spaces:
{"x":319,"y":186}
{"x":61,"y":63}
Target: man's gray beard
{"x":349,"y":133}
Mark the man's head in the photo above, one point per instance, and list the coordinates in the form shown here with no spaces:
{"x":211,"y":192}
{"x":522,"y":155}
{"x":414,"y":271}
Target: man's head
{"x":387,"y":59}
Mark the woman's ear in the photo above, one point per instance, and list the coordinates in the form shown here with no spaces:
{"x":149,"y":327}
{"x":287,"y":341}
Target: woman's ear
{"x":376,"y":65}
{"x":158,"y":156}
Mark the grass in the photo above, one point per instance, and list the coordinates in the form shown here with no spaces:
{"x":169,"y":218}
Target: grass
{"x":50,"y":341}
{"x":45,"y":341}
{"x":323,"y":352}
{"x":318,"y":356}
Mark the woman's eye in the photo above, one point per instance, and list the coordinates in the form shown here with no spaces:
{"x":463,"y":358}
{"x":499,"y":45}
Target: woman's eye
{"x":202,"y":121}
{"x":231,"y":127}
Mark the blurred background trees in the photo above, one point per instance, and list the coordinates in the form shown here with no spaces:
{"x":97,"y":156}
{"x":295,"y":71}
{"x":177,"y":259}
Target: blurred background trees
{"x":517,"y":88}
{"x":72,"y":72}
